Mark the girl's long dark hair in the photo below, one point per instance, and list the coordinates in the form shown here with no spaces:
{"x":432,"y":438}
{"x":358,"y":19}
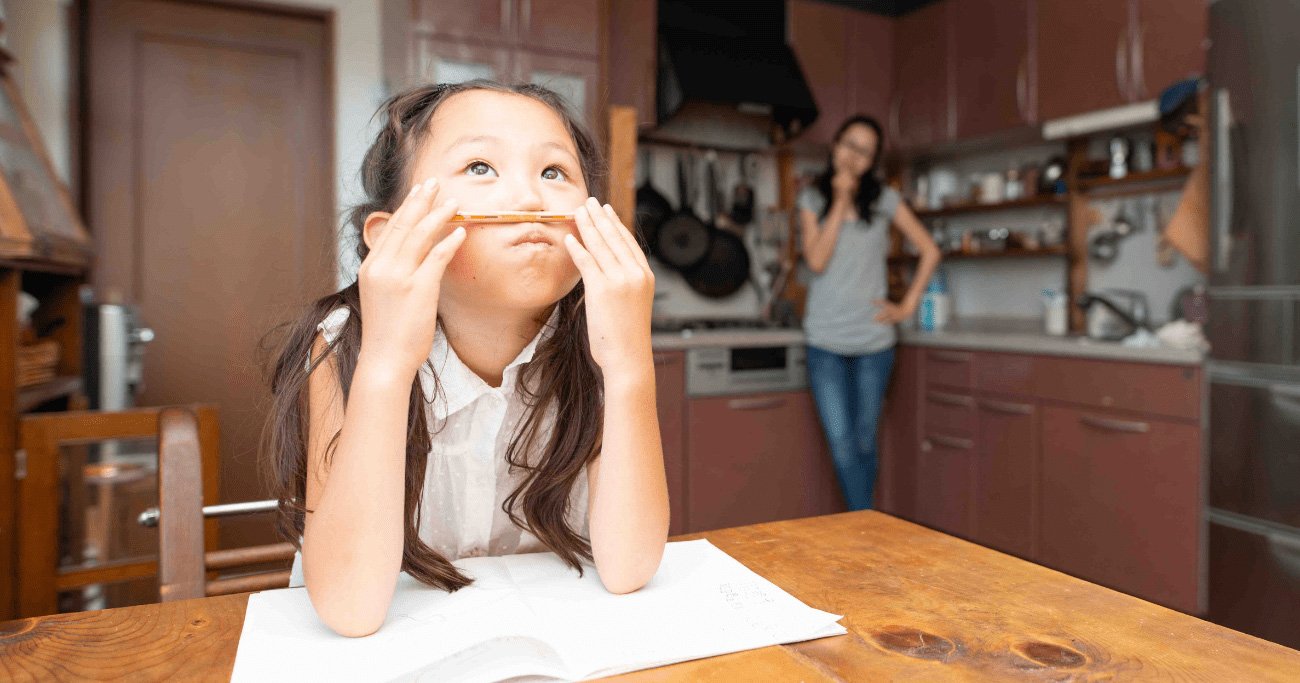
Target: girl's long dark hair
{"x":562,"y":378}
{"x":869,"y":186}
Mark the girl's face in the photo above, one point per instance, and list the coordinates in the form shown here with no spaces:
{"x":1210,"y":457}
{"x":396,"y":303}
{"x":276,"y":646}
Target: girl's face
{"x":855,"y":151}
{"x":493,"y":151}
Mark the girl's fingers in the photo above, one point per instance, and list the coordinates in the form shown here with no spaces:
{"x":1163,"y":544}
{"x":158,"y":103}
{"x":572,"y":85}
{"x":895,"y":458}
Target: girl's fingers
{"x":587,"y":267}
{"x":412,"y":210}
{"x":607,"y":230}
{"x":387,"y":231}
{"x":428,"y":232}
{"x":435,"y":263}
{"x":592,"y":241}
{"x":633,"y":249}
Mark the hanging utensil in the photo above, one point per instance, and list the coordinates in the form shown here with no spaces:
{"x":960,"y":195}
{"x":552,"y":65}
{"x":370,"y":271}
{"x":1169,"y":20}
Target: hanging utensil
{"x":683,"y":240}
{"x":725,"y":268}
{"x":742,"y":196}
{"x":652,"y":208}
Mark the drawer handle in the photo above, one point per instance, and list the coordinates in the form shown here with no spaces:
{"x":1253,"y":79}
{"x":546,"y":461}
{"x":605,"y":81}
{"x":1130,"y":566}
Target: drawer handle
{"x":952,"y":442}
{"x":663,"y":359}
{"x":950,"y":399}
{"x":1116,"y":425}
{"x":755,"y":403}
{"x":950,"y":356}
{"x":1007,"y":407}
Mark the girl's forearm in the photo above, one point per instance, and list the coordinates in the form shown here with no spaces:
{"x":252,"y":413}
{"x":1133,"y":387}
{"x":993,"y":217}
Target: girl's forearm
{"x":629,"y":495}
{"x":352,"y":542}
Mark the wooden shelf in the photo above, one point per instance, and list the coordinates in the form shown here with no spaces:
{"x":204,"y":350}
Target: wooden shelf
{"x":1025,"y":203}
{"x":1059,"y":250}
{"x":1135,"y":182}
{"x":59,"y":387}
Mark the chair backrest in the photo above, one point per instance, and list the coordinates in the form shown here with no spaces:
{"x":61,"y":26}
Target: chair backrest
{"x":185,"y":569}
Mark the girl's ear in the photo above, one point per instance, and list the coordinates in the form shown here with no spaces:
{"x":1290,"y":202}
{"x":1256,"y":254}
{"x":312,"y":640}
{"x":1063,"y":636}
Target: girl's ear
{"x":375,"y":225}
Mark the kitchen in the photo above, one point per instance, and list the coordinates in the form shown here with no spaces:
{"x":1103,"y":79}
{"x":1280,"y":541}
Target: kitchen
{"x":1101,"y":377}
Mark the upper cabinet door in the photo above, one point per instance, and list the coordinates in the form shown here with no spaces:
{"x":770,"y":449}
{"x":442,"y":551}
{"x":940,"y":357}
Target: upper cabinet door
{"x":1170,"y":44}
{"x":632,"y":77}
{"x":571,"y":26}
{"x":447,"y":61}
{"x":994,"y":72}
{"x":818,"y":34}
{"x":478,"y":20}
{"x":1084,"y":52}
{"x":871,"y":68}
{"x":573,"y":78}
{"x":919,"y":114}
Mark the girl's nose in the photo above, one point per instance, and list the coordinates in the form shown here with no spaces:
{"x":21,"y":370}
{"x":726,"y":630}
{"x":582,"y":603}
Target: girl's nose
{"x":525,"y":194}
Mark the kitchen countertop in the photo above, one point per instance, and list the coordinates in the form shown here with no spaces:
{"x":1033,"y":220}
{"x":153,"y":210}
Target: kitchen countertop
{"x":1009,"y":335}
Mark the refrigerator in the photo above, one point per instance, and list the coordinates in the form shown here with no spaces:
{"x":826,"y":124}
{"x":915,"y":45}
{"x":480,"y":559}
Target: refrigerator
{"x":1253,"y":75}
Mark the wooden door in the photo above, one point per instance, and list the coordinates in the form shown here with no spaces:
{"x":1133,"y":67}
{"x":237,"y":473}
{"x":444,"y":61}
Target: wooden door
{"x":1083,"y":56}
{"x":756,"y":458}
{"x":574,"y":78}
{"x":818,"y":34}
{"x":920,"y":114}
{"x":473,"y":20}
{"x":209,"y":194}
{"x":571,"y":26}
{"x":945,"y":483}
{"x":1121,"y":503}
{"x":1171,"y":39}
{"x":1006,"y":476}
{"x":871,"y":65}
{"x":670,"y":402}
{"x":993,"y":69}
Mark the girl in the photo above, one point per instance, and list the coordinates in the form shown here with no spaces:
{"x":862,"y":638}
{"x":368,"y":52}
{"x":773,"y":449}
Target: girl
{"x":481,"y":389}
{"x":844,"y":218}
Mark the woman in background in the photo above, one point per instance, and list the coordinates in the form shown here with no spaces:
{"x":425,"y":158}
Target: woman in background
{"x":844,"y":220}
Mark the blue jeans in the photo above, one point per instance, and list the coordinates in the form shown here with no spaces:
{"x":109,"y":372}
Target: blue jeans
{"x":849,"y":391}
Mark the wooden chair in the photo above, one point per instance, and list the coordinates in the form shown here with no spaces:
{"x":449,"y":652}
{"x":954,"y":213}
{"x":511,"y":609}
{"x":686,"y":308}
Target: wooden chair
{"x":185,"y":569}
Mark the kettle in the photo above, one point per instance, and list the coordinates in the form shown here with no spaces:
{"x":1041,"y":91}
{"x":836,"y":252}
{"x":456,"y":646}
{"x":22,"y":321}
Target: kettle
{"x":1115,"y":314}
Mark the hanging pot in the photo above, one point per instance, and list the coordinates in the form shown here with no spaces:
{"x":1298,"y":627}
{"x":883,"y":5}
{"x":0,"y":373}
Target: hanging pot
{"x":725,"y":268}
{"x":683,"y":240}
{"x":652,"y":208}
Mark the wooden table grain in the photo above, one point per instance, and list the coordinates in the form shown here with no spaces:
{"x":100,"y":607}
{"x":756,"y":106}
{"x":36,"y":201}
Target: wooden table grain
{"x":919,"y":605}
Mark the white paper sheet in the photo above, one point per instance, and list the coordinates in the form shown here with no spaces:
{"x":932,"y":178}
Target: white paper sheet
{"x":530,"y":615}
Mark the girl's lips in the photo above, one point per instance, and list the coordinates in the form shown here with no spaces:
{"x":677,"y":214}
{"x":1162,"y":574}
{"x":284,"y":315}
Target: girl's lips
{"x":535,"y":236}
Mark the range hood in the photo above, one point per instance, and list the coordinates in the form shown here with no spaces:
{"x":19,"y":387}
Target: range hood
{"x":727,"y":77}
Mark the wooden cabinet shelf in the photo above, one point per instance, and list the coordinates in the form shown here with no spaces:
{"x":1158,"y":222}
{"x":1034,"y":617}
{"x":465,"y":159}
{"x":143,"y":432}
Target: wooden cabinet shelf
{"x":33,"y":396}
{"x":1135,"y":182}
{"x":1059,"y":250}
{"x":1025,"y":203}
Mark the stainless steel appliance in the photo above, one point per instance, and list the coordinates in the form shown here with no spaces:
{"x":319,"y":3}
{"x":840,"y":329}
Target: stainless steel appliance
{"x":1254,"y":318}
{"x":113,"y":351}
{"x":748,"y":367}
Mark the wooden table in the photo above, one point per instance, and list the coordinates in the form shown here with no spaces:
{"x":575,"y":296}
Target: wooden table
{"x":918,"y":605}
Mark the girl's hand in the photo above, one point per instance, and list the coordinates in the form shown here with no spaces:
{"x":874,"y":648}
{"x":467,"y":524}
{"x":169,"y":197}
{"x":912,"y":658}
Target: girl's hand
{"x":400,"y":279}
{"x":844,"y":185}
{"x":620,"y":291}
{"x":891,"y":313}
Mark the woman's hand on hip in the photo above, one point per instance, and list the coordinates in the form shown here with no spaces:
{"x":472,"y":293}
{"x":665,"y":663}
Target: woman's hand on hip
{"x":619,"y":291}
{"x":401,"y":277}
{"x":891,"y":313}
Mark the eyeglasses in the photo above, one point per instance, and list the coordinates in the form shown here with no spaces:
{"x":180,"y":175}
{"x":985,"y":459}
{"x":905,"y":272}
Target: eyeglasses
{"x":864,"y":152}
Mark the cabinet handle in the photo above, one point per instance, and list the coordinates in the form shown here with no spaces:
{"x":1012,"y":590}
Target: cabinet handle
{"x":1139,"y":63}
{"x":663,"y":359}
{"x":1007,"y":407}
{"x":755,"y":403}
{"x":952,"y":442}
{"x":1114,"y":425}
{"x":950,"y":399}
{"x":1022,"y":85}
{"x":526,"y":16}
{"x":1222,"y":181}
{"x":507,"y":14}
{"x":893,"y":117}
{"x":950,"y":356}
{"x":1121,"y":66}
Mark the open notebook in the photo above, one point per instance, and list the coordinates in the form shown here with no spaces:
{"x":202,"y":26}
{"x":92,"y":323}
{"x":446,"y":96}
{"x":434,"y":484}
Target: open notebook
{"x":530,"y":616}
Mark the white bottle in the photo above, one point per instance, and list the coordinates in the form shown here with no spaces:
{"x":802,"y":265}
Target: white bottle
{"x":1056,"y":313}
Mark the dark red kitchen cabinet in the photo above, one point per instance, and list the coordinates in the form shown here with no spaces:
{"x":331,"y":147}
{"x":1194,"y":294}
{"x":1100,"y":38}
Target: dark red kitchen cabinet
{"x":1006,"y":476}
{"x":993,"y":81}
{"x":1084,"y":50}
{"x":1171,"y":41}
{"x":670,"y":403}
{"x":1121,"y":503}
{"x":948,"y":367}
{"x":899,"y":436}
{"x":633,"y":30}
{"x":756,"y":458}
{"x":945,"y":483}
{"x":871,"y":65}
{"x":920,"y":113}
{"x":570,"y":26}
{"x":819,"y":36}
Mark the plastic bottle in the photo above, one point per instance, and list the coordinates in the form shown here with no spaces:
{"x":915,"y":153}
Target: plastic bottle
{"x":935,"y":307}
{"x":1056,"y":313}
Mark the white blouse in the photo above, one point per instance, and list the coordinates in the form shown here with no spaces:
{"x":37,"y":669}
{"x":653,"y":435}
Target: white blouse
{"x":467,"y":477}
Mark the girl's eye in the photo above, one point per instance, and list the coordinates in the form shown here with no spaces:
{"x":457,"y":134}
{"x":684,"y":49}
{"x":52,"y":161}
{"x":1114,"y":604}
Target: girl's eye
{"x":479,"y":168}
{"x":554,"y":173}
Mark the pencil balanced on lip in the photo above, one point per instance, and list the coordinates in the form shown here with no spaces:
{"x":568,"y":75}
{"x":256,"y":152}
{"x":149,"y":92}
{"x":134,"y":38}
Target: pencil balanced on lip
{"x":512,"y":217}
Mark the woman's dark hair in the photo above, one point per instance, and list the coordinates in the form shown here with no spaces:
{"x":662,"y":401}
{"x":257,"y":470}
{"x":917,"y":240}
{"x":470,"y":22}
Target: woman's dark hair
{"x":561,"y":379}
{"x":869,"y":186}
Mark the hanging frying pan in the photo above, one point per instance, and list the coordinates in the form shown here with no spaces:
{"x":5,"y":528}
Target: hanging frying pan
{"x":652,"y":208}
{"x":725,"y":268}
{"x":682,"y":241}
{"x":742,"y":197}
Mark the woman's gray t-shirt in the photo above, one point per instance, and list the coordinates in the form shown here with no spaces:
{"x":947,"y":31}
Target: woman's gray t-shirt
{"x":840,"y":313}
